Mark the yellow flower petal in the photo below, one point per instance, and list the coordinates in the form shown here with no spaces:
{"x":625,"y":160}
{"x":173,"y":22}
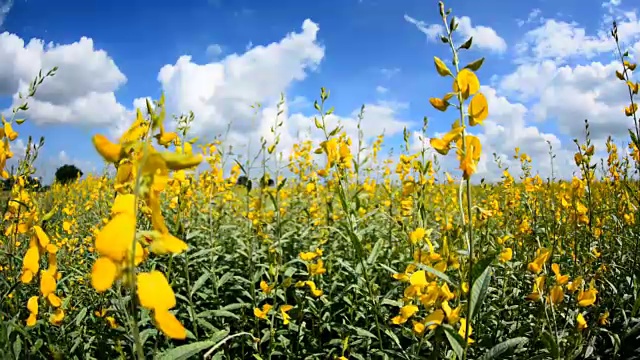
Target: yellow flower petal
{"x":32,"y":305}
{"x":47,"y":283}
{"x":478,"y":109}
{"x":154,"y":291}
{"x":103,"y":274}
{"x":169,"y":325}
{"x":111,"y":152}
{"x":116,"y":237}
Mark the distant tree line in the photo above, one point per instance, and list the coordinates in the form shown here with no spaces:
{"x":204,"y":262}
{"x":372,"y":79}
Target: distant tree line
{"x":65,"y":174}
{"x":265,"y":181}
{"x":69,"y":173}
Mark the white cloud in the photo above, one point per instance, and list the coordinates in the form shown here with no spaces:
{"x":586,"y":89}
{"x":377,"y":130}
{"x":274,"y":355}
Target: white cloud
{"x":534,"y":16}
{"x":381,"y":89}
{"x":5,"y":7}
{"x":222,"y":92}
{"x":484,"y":37}
{"x":561,"y":41}
{"x":504,"y":130}
{"x":389,"y":72}
{"x":299,"y":102}
{"x":431,"y":30}
{"x":81,"y":92}
{"x":214,"y":50}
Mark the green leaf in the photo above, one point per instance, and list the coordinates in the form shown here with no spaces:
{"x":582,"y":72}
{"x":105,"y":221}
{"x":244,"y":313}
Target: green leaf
{"x":455,"y":340}
{"x":479,"y":291}
{"x":497,"y":351}
{"x":190,"y":350}
{"x":217,"y":313}
{"x":365,"y":333}
{"x":467,"y":44}
{"x":550,"y":343}
{"x":80,"y":316}
{"x":439,"y":274}
{"x":375,"y":252}
{"x":17,"y":348}
{"x":441,"y":67}
{"x":475,"y":66}
{"x":201,"y":281}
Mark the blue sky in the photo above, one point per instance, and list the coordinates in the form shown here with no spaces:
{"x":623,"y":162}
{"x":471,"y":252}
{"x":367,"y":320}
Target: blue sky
{"x":372,"y":51}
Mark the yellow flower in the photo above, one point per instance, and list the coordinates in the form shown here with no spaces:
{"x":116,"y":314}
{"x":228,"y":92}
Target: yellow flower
{"x":8,"y":130}
{"x":165,"y":138}
{"x":556,"y":295}
{"x":506,"y":254}
{"x":439,"y":104}
{"x":266,"y":288}
{"x":417,"y":235}
{"x":318,"y":268}
{"x":47,"y":283}
{"x":560,"y":279}
{"x":308,"y":256}
{"x":587,"y":298}
{"x":434,"y":319}
{"x":155,"y":293}
{"x":581,"y":322}
{"x":116,"y":237}
{"x":110,"y":151}
{"x":30,"y":264}
{"x":32,"y":306}
{"x":536,"y":265}
{"x":463,"y":330}
{"x":466,"y":82}
{"x":575,"y":284}
{"x":57,"y":317}
{"x":103,"y":274}
{"x":604,"y":318}
{"x":443,"y":145}
{"x":169,"y":324}
{"x":312,"y":287}
{"x":478,"y":109}
{"x":452,"y":315}
{"x":111,"y":321}
{"x":445,"y":293}
{"x":283,"y":311}
{"x":538,"y":287}
{"x":471,"y":156}
{"x":262,"y":313}
{"x":166,"y":244}
{"x":406,"y":312}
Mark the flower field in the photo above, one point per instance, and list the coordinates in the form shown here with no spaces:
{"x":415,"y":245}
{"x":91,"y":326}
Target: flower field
{"x":344,"y":255}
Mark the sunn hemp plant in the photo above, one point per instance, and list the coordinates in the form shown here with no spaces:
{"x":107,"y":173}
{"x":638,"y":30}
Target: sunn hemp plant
{"x":348,"y":253}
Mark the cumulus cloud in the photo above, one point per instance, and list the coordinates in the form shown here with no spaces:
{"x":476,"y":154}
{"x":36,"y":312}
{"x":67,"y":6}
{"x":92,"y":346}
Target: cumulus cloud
{"x":562,"y":41}
{"x":566,"y":94}
{"x":505,"y":129}
{"x":81,"y":92}
{"x":221,"y":92}
{"x":484,"y":37}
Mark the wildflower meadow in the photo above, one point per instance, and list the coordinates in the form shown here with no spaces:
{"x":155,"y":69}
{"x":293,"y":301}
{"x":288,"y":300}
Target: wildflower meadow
{"x":329,"y":253}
